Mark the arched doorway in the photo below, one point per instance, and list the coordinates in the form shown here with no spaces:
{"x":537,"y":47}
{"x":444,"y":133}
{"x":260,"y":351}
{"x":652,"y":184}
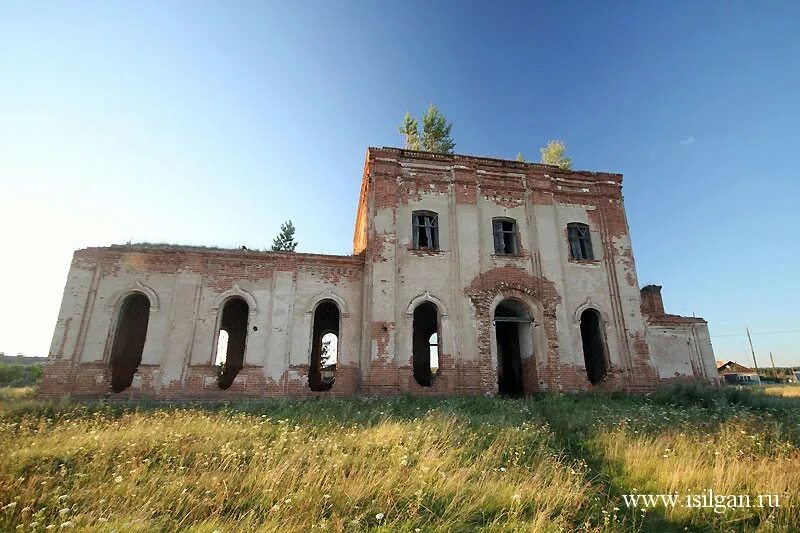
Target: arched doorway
{"x":231,"y":341}
{"x":425,"y":343}
{"x":594,"y":351}
{"x":129,"y":337}
{"x":324,"y":346}
{"x":512,"y":323}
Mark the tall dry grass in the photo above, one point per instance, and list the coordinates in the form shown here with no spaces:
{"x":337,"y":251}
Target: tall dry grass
{"x":737,"y":459}
{"x":170,"y":469}
{"x":787,"y":391}
{"x":544,"y":463}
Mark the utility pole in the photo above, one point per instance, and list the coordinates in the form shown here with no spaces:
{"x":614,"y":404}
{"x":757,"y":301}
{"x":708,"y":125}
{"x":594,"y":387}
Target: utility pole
{"x":755,"y":363}
{"x":774,"y":372}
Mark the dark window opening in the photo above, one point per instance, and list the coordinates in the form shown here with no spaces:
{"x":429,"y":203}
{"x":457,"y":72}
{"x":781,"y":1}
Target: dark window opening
{"x":425,"y":343}
{"x":231,"y":341}
{"x":425,"y":230}
{"x":505,"y":236}
{"x":324,"y":347}
{"x":580,"y":242}
{"x":594,"y":353}
{"x":512,"y":322}
{"x":129,"y":337}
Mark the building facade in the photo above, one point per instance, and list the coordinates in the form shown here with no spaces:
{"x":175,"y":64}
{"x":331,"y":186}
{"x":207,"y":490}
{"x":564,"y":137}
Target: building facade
{"x":469,"y":275}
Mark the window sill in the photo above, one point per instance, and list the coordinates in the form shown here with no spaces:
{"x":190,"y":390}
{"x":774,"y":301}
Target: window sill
{"x":424,"y":251}
{"x":585,"y":262}
{"x":509,"y":256}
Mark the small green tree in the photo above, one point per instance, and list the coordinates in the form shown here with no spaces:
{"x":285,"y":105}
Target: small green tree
{"x":410,"y":130}
{"x":285,"y":242}
{"x":436,"y":132}
{"x":520,"y":158}
{"x":555,"y":153}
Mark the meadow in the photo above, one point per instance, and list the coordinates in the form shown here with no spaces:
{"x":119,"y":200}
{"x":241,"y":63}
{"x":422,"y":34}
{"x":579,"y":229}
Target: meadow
{"x":548,"y":462}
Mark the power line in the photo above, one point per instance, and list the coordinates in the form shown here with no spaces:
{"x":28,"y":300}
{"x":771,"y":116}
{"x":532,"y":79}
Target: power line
{"x":763,"y":333}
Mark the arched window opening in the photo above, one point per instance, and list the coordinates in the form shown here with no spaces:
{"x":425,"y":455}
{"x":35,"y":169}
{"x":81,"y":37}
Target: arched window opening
{"x":580,"y":242}
{"x":222,"y":348}
{"x":594,"y":352}
{"x":129,"y":337}
{"x":328,"y":358}
{"x":425,"y":343}
{"x":433,"y":343}
{"x":231,"y":341}
{"x":324,"y":346}
{"x":512,"y":323}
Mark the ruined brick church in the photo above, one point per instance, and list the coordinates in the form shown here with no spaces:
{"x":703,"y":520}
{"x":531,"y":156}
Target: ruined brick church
{"x":469,"y":275}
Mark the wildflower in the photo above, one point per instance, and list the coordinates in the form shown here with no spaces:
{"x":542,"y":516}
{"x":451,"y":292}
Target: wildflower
{"x":118,"y":479}
{"x":516,"y":497}
{"x":326,"y":496}
{"x":63,"y":511}
{"x":63,"y":497}
{"x":10,"y":506}
{"x":379,"y":517}
{"x":68,"y":523}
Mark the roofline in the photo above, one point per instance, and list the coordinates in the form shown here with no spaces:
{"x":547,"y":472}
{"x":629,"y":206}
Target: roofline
{"x":433,"y":156}
{"x":203,"y":250}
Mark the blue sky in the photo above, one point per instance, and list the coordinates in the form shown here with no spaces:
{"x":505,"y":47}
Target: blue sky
{"x":213,"y":122}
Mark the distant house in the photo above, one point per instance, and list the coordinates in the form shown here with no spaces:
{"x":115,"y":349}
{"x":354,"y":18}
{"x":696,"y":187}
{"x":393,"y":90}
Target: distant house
{"x":742,"y":379}
{"x":732,"y":367}
{"x":735,"y":374}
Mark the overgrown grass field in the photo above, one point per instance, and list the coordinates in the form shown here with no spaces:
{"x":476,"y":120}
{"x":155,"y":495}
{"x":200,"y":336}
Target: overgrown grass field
{"x":544,"y":463}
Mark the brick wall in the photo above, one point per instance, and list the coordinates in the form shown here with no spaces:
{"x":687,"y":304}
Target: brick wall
{"x":377,"y":283}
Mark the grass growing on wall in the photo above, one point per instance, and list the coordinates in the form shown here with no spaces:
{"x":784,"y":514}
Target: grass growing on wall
{"x":544,"y":463}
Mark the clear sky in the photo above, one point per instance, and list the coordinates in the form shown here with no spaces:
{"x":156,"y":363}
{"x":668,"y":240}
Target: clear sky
{"x":213,"y":122}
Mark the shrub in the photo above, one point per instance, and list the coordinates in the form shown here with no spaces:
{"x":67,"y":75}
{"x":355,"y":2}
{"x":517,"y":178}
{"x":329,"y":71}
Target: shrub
{"x":17,"y":375}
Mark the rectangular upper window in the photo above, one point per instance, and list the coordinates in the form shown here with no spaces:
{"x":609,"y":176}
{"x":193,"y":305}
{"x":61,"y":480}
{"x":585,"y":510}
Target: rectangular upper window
{"x":504,"y":231}
{"x":425,"y":230}
{"x":580,"y":242}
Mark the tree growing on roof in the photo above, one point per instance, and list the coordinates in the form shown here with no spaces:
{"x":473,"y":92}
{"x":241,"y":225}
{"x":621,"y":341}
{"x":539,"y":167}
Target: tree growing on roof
{"x":555,"y":153}
{"x":285,"y":242}
{"x":410,"y":129}
{"x":436,"y":132}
